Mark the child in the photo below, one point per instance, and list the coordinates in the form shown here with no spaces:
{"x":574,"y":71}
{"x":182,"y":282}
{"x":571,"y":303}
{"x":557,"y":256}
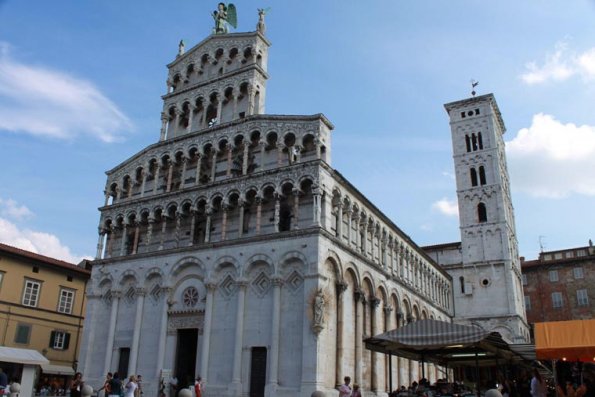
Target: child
{"x":356,"y":391}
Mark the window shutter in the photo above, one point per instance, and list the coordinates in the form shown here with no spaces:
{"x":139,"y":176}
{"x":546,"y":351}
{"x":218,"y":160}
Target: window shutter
{"x":52,"y":338}
{"x":66,"y":340}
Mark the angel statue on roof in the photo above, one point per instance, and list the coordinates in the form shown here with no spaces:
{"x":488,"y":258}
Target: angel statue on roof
{"x":224,"y":16}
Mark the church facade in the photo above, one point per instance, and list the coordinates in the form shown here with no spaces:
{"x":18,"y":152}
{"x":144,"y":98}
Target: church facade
{"x":231,"y":249}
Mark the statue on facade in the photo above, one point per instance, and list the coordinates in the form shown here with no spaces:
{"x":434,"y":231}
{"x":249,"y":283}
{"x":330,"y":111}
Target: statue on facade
{"x":224,"y":16}
{"x":319,"y":303}
{"x":181,"y":48}
{"x":260,"y":26}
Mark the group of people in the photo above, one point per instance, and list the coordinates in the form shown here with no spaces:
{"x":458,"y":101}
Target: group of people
{"x":116,"y":387}
{"x":346,"y":390}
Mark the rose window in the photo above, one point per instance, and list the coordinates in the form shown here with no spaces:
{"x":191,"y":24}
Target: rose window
{"x":190,"y":297}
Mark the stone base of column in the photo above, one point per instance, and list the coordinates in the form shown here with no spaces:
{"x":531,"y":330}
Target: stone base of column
{"x":234,"y":389}
{"x":270,"y":390}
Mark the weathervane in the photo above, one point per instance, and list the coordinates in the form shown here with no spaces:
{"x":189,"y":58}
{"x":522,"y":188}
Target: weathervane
{"x":473,"y":85}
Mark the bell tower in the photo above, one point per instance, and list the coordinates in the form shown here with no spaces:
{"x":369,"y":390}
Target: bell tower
{"x":487,"y":282}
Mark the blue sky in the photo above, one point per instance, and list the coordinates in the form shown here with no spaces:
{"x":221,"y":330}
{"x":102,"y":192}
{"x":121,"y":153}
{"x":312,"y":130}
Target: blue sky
{"x":81,"y":81}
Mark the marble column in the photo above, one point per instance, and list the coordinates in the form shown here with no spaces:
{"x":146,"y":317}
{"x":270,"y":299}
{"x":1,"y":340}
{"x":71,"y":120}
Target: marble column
{"x":138,"y":319}
{"x":262,"y":154}
{"x":192,"y":225}
{"x":156,"y":178}
{"x":190,"y":114}
{"x":245,"y":156}
{"x":163,"y":227}
{"x":280,"y":147}
{"x":110,"y":242}
{"x":124,"y":239}
{"x":316,"y":206}
{"x":198,"y":163}
{"x":359,"y":298}
{"x":258,"y":214}
{"x":109,"y":345}
{"x":387,"y":327}
{"x":340,"y":221}
{"x":235,"y":104}
{"x":349,"y":226}
{"x":209,"y":213}
{"x":178,"y":228}
{"x":183,"y":176}
{"x":214,"y":166}
{"x":225,"y":208}
{"x":374,"y":303}
{"x":219,"y":108}
{"x":165,"y":291}
{"x":102,"y":233}
{"x":241,"y":208}
{"x":144,"y":180}
{"x":136,"y":237}
{"x":170,"y":174}
{"x":296,"y":209}
{"x":236,"y":379}
{"x":206,"y":337}
{"x":275,"y":327}
{"x":150,"y":230}
{"x":277,"y":211}
{"x":341,"y":286}
{"x":229,"y":149}
{"x":164,"y":120}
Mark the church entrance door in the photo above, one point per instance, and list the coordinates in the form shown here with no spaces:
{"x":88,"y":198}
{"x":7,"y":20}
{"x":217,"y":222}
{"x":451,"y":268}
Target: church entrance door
{"x":186,"y":356}
{"x":258,"y":371}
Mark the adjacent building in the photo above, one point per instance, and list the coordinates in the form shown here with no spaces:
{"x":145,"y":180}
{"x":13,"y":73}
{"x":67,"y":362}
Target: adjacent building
{"x":42,"y":307}
{"x":558,"y":285}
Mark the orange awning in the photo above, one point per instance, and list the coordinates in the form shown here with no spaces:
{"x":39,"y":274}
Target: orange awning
{"x":570,"y":340}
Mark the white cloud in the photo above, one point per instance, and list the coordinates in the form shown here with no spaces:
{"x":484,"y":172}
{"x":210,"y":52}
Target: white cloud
{"x":44,"y":102}
{"x":38,"y":242}
{"x":446,"y":207}
{"x":561,"y":65}
{"x":552,"y":159}
{"x":11,"y":209}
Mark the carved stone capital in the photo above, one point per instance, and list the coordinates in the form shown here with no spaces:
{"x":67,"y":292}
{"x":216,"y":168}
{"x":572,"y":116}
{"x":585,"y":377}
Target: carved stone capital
{"x":341,"y":287}
{"x":374,"y":302}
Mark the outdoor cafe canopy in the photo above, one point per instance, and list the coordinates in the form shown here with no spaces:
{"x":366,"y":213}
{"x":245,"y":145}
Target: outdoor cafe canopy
{"x":570,"y":340}
{"x":443,"y":343}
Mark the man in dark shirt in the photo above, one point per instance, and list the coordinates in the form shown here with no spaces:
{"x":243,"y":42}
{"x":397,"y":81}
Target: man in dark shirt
{"x":116,"y":385}
{"x":3,"y":379}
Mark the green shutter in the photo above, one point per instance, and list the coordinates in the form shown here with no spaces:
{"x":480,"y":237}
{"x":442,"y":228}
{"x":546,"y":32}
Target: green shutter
{"x":66,"y":340}
{"x":22,"y":334}
{"x":52,"y":338}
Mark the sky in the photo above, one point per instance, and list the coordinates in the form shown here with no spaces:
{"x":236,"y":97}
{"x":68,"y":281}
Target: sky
{"x":81,"y":85}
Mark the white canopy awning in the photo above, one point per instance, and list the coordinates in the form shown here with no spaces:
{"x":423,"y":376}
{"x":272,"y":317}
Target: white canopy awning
{"x":57,"y":369}
{"x":22,"y":356}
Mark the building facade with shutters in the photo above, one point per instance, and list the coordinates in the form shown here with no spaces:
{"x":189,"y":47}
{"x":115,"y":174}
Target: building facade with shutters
{"x":42,"y":306}
{"x":232,"y":249}
{"x":558,"y":285}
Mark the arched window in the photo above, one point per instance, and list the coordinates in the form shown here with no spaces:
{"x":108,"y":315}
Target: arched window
{"x":479,"y":141}
{"x":468,"y":143}
{"x":462,"y":281}
{"x":482,"y":175}
{"x":482,"y":213}
{"x":473,"y":177}
{"x":474,"y":141}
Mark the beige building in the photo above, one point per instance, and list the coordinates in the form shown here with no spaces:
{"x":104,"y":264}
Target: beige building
{"x":42,"y":306}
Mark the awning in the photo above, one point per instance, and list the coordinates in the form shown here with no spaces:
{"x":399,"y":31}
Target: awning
{"x":443,"y":343}
{"x":570,"y":340}
{"x":22,"y":356}
{"x":57,"y":369}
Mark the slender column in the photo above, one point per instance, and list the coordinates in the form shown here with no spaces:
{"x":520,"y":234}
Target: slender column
{"x":130,"y":186}
{"x":296,"y":209}
{"x":318,"y":149}
{"x":245,"y":158}
{"x":356,"y":218}
{"x":219,"y":108}
{"x":163,"y":226}
{"x":258,"y":213}
{"x":192,"y":225}
{"x":280,"y":147}
{"x":374,"y":302}
{"x":119,"y":191}
{"x":229,"y":148}
{"x":107,"y":196}
{"x":388,"y":309}
{"x":206,"y":337}
{"x":124,"y":238}
{"x":144,"y":181}
{"x":111,"y":332}
{"x":150,"y":230}
{"x":340,"y":221}
{"x":156,"y":178}
{"x":136,"y":236}
{"x":198,"y":163}
{"x":209,"y":212}
{"x":170,"y":173}
{"x":341,"y":286}
{"x":250,"y":100}
{"x":316,"y":207}
{"x":359,"y":326}
{"x":235,"y":105}
{"x":178,"y":228}
{"x":190,"y":114}
{"x":263,"y":145}
{"x":162,"y":330}
{"x":110,"y":242}
{"x":383,"y":253}
{"x":183,"y":176}
{"x":274,"y":368}
{"x":241,"y":205}
{"x":237,"y":355}
{"x":203,"y":119}
{"x":102,"y":233}
{"x":214,"y":166}
{"x":277,"y":211}
{"x":349,"y":225}
{"x":164,"y":120}
{"x":140,"y":300}
{"x":224,"y":221}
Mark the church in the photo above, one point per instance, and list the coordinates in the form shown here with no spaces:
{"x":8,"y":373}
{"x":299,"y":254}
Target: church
{"x":230,"y":249}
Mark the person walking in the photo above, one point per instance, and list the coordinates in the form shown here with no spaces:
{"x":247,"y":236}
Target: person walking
{"x":538,"y":388}
{"x":198,"y":387}
{"x":115,"y":386}
{"x":106,"y":385}
{"x":345,"y":389}
{"x":76,"y":384}
{"x":131,"y":388}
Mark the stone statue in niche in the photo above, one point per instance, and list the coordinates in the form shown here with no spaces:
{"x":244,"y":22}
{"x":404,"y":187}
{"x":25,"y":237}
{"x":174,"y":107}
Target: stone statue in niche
{"x":318,"y":308}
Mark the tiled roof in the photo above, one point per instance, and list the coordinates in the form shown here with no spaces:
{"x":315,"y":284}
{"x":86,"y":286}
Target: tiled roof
{"x":43,"y":259}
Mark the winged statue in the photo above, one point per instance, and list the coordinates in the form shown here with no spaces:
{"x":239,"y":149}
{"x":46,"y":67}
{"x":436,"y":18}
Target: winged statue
{"x":225,"y":16}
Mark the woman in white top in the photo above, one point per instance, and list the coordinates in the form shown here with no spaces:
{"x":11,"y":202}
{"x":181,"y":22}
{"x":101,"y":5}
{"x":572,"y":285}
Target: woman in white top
{"x":131,"y":386}
{"x":538,"y":387}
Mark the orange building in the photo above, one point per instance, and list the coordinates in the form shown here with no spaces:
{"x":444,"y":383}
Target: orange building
{"x":42,"y":307}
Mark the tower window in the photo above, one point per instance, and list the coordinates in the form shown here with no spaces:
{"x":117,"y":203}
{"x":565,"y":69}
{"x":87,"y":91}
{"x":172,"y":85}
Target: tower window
{"x":468,"y":143}
{"x":473,"y":177}
{"x":482,"y":176}
{"x":462,"y":115}
{"x":474,"y":141}
{"x":482,"y":213}
{"x":479,"y":141}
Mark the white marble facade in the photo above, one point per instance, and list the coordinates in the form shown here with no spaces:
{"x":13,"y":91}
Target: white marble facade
{"x":232,"y":249}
